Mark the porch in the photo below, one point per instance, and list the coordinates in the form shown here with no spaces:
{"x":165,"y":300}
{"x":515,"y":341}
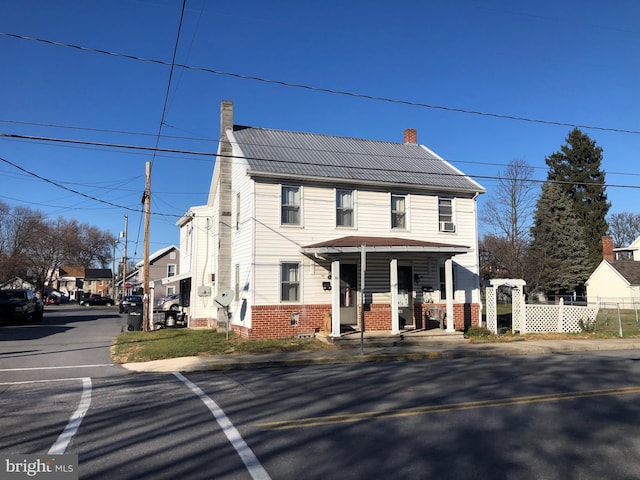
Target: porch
{"x":402,"y":278}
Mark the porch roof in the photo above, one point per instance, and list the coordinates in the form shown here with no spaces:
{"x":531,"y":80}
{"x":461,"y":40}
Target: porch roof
{"x":353,"y":244}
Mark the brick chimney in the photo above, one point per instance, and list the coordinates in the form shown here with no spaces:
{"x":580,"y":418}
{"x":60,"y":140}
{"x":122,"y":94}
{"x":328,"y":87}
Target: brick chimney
{"x":411,"y":135}
{"x":607,"y":249}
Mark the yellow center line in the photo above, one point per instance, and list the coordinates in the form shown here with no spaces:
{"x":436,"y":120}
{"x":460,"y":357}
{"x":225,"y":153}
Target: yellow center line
{"x":429,"y":409}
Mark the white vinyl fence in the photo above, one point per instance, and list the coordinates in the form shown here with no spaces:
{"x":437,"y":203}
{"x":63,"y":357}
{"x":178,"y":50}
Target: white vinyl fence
{"x":559,"y":318}
{"x":532,"y":318}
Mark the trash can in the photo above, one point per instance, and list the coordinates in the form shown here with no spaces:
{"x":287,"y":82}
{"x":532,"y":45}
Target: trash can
{"x":134,"y":319}
{"x":170,"y":318}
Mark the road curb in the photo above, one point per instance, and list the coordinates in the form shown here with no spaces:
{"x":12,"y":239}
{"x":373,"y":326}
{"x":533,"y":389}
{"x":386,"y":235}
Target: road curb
{"x":380,"y":355}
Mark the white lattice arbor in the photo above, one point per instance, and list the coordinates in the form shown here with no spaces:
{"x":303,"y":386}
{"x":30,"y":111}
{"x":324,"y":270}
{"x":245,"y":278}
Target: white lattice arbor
{"x":537,"y":318}
{"x":517,"y":303}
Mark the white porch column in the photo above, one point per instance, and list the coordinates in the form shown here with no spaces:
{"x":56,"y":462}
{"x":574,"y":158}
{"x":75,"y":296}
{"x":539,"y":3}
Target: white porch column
{"x":395,"y":317}
{"x":335,"y":298}
{"x":448,"y":279}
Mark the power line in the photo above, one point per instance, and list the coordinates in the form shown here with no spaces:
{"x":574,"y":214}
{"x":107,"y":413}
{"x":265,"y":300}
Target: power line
{"x":105,"y":130}
{"x":104,"y":144}
{"x":327,"y":90}
{"x":63,"y":187}
{"x":168,"y":90}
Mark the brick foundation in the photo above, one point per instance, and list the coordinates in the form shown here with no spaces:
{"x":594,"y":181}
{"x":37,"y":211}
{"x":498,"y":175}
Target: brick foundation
{"x":465,"y":315}
{"x":275,"y":321}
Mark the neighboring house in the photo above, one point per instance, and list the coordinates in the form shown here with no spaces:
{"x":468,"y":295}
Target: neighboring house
{"x":163,"y":266}
{"x":632,"y":252}
{"x":616,"y":281}
{"x":70,"y":281}
{"x":17,"y":282}
{"x":132,"y":284}
{"x":293,"y":219}
{"x":98,"y":281}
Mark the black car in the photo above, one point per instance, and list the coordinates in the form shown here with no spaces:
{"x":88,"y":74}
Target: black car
{"x":97,"y":300}
{"x":130,"y":301}
{"x":22,"y":305}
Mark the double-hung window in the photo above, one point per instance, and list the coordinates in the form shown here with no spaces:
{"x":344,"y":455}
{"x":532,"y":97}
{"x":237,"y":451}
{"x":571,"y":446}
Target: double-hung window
{"x":171,"y":269}
{"x":290,"y":205}
{"x":289,"y":282}
{"x":344,"y":208}
{"x":445,"y":214}
{"x":399,"y":211}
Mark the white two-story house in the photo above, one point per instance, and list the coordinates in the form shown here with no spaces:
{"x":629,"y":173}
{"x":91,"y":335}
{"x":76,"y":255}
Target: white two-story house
{"x":307,"y":232}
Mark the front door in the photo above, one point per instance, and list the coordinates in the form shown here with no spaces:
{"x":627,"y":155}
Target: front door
{"x":405,"y":296}
{"x":348,"y":294}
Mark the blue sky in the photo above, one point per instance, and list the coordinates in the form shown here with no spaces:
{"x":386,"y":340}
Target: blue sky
{"x":568,"y":61}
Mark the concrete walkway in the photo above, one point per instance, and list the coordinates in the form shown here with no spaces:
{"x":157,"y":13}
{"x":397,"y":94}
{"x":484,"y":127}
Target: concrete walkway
{"x":382,"y":354}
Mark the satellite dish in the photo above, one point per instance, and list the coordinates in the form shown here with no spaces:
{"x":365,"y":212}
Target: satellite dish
{"x":225,"y":298}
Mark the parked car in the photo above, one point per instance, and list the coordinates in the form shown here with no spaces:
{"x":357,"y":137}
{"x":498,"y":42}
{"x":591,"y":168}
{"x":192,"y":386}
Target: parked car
{"x":96,"y":300}
{"x":52,"y":300}
{"x":20,"y":304}
{"x":170,"y":302}
{"x":129,"y":301}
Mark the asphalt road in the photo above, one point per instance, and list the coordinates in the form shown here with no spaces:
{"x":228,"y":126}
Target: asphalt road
{"x":561,"y":416}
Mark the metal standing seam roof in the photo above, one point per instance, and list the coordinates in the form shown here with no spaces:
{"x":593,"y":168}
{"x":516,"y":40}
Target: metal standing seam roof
{"x":279,"y":152}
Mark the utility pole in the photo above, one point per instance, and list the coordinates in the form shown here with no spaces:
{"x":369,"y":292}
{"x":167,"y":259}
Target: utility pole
{"x":114,"y":275}
{"x":124,"y":258}
{"x":146,"y":200}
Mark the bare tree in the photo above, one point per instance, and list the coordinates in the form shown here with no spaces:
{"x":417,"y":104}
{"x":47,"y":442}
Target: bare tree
{"x":509,"y":212}
{"x":33,"y":247}
{"x":624,"y":228}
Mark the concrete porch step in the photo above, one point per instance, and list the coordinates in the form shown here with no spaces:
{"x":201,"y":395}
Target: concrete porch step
{"x":409,"y":338}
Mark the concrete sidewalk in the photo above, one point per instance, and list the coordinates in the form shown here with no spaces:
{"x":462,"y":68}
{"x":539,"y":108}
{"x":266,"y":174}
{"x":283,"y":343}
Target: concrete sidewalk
{"x":382,"y":354}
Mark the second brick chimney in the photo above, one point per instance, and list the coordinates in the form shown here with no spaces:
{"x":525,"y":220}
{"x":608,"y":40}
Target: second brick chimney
{"x":411,"y":135}
{"x":607,"y":249}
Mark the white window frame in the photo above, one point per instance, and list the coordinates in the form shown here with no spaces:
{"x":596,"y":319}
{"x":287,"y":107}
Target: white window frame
{"x":284,"y":205}
{"x":296,"y":282}
{"x":175,"y":269}
{"x":238,"y":211}
{"x":394,"y":213}
{"x":446,"y":221}
{"x":340,"y":208}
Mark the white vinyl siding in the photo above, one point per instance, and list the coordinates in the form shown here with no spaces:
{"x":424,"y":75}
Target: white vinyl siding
{"x":274,"y":242}
{"x":243,"y":245}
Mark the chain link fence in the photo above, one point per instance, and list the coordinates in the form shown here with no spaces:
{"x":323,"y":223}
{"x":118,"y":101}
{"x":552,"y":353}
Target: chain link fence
{"x":617,"y":319}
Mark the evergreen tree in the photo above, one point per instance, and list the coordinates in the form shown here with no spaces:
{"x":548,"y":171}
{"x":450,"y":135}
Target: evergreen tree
{"x":559,"y":253}
{"x":577,"y":167}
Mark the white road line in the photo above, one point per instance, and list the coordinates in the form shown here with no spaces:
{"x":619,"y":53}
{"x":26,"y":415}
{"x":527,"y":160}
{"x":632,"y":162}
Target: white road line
{"x":70,"y":430}
{"x":255,"y":469}
{"x":42,"y":381}
{"x":26,"y":369}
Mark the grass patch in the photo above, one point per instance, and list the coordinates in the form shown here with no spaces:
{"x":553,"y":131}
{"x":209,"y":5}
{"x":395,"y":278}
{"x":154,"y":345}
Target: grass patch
{"x":173,"y":343}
